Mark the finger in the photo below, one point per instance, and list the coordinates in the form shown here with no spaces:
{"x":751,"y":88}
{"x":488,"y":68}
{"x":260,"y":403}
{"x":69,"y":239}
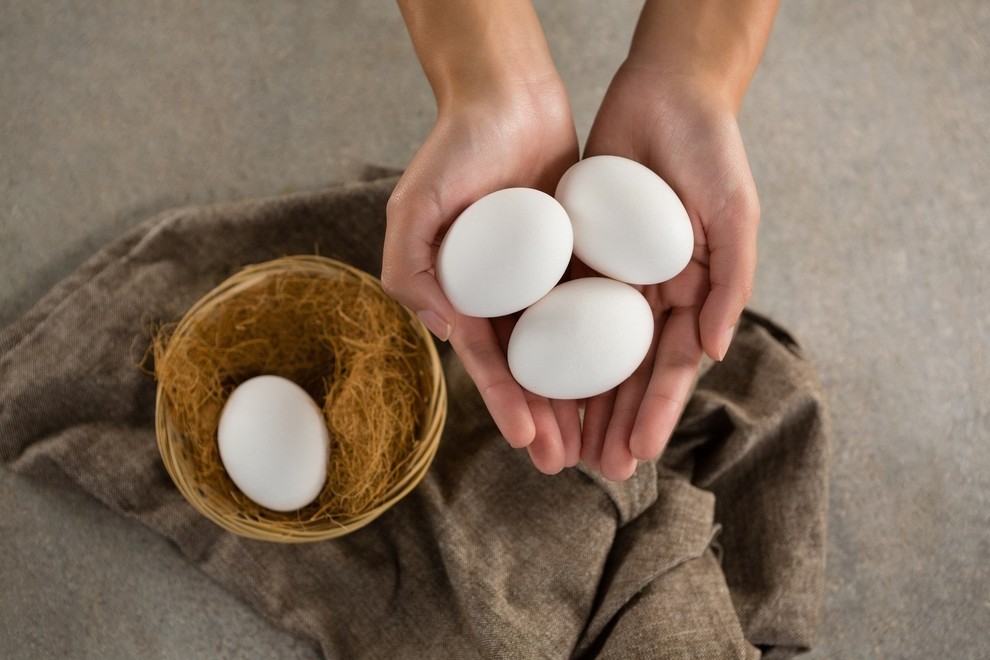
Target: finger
{"x":408,"y":262}
{"x":678,"y":357}
{"x":569,"y":423}
{"x":597,"y":413}
{"x":475,"y":343}
{"x":547,"y":449}
{"x":732,"y":264}
{"x":618,"y":462}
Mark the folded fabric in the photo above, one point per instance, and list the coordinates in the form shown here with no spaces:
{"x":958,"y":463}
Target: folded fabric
{"x":717,"y":550}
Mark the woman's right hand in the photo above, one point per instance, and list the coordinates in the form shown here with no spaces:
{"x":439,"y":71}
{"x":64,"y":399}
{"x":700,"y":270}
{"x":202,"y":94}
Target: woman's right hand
{"x":512,"y":132}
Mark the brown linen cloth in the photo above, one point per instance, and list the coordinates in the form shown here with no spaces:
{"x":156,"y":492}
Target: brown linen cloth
{"x":717,"y":551}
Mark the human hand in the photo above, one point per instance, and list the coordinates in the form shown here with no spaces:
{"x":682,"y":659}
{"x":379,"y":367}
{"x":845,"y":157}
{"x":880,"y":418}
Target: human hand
{"x":504,"y":121}
{"x":511,"y":133}
{"x":684,"y":129}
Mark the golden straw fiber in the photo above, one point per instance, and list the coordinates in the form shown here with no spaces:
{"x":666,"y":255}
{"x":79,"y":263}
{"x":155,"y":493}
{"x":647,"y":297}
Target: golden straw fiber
{"x":365,"y":359}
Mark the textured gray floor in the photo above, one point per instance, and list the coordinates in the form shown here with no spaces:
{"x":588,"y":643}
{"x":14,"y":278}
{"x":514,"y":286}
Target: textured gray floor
{"x":867,"y":127}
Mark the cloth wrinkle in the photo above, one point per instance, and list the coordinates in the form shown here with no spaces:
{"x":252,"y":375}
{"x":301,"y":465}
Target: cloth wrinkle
{"x":717,"y":549}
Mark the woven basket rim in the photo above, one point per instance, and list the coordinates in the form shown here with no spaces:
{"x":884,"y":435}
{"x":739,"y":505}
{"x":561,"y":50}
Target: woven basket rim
{"x":169,"y":441}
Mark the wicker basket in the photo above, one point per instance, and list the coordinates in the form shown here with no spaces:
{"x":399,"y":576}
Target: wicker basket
{"x":220,"y":506}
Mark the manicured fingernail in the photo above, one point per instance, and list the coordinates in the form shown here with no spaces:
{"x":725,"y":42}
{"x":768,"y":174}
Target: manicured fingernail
{"x":724,"y":343}
{"x":437,"y":325}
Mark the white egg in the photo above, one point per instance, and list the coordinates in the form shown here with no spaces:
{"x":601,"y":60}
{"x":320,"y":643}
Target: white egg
{"x":504,"y":252}
{"x":628,"y":223}
{"x":274,"y":443}
{"x":583,"y":338}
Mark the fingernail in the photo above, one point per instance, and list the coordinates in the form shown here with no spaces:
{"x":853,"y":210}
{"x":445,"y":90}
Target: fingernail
{"x":437,"y":325}
{"x":724,"y":343}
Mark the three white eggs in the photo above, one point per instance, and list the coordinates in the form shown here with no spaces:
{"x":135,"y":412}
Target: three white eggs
{"x":508,"y":251}
{"x":505,"y":253}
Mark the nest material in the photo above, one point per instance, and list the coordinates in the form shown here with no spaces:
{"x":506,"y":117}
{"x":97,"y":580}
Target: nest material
{"x":363,"y":358}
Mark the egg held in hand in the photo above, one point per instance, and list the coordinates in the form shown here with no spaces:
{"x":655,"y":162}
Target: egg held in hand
{"x":628,"y":223}
{"x":274,"y":443}
{"x":582,"y":339}
{"x":504,"y":252}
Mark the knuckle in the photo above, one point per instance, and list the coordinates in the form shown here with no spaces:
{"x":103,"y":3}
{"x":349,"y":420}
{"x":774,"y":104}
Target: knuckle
{"x":407,"y":204}
{"x":746,"y":293}
{"x":749,"y":206}
{"x":742,"y":210}
{"x":395,"y":207}
{"x":392,"y":283}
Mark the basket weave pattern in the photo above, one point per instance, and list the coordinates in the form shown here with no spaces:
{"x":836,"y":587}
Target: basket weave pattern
{"x":223,"y":505}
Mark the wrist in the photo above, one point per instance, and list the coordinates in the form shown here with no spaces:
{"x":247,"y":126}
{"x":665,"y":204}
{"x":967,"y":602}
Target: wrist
{"x":691,"y":80}
{"x":476,"y":50}
{"x":675,"y":89}
{"x":713,"y":45}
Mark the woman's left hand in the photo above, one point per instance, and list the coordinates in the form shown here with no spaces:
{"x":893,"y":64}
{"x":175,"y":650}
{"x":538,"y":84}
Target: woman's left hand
{"x":686,"y":133}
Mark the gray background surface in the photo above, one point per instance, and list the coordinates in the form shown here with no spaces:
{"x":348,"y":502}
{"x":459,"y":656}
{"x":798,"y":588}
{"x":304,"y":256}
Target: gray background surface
{"x":867,"y":127}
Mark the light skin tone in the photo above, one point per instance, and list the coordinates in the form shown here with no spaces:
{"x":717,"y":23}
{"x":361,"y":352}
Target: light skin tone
{"x":504,"y":121}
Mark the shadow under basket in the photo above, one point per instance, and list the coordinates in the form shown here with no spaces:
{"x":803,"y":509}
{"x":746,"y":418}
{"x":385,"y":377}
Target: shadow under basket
{"x":366,"y":360}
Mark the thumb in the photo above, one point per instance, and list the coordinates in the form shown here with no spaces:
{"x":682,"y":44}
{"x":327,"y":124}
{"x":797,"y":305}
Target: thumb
{"x":732,"y":266}
{"x":408,"y":272}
